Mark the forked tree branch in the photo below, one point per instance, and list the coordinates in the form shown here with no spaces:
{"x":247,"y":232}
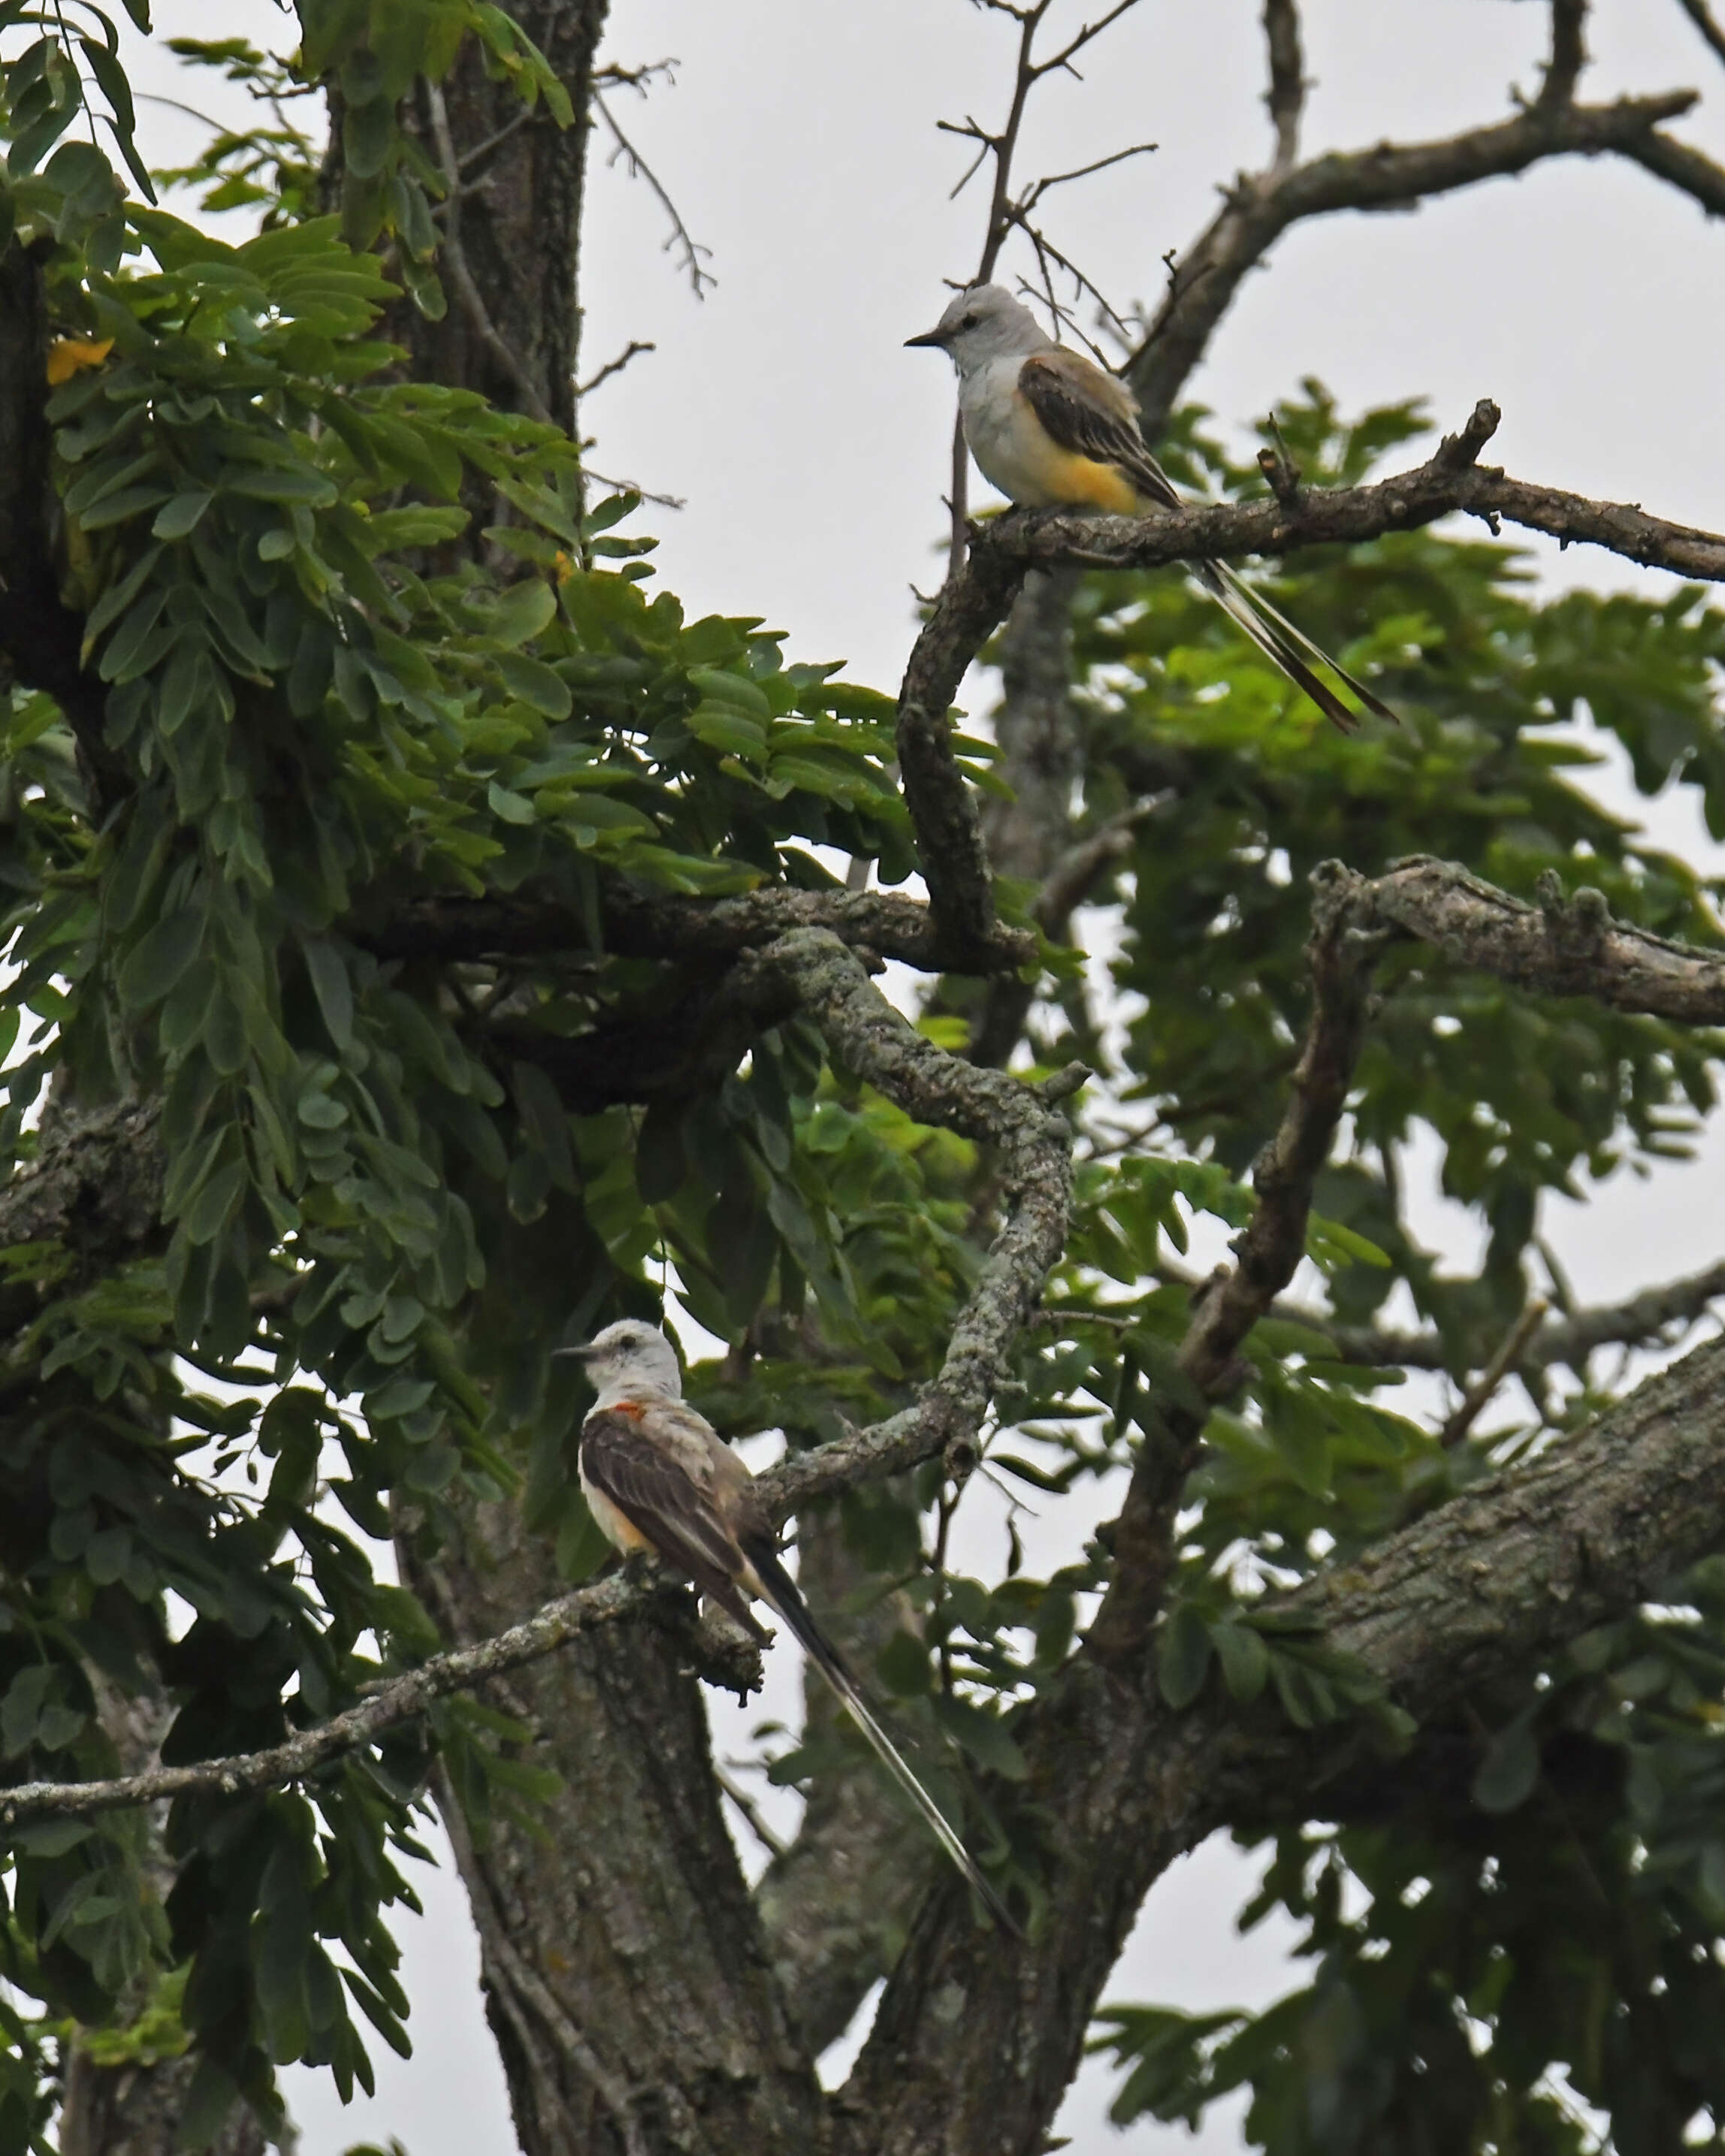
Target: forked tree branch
{"x":1257,"y":212}
{"x":1500,"y":1576}
{"x":972,"y":604}
{"x":1561,"y":947}
{"x":863,"y":1032}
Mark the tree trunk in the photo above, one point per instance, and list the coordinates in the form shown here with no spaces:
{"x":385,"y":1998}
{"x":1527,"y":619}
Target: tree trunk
{"x":626,"y":1978}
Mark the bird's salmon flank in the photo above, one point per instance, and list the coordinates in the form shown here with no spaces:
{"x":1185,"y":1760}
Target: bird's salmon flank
{"x":1053,"y":431}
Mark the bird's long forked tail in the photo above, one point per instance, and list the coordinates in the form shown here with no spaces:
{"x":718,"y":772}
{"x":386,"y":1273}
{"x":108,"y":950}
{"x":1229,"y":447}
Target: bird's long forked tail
{"x":783,"y":1593}
{"x":1288,"y":646}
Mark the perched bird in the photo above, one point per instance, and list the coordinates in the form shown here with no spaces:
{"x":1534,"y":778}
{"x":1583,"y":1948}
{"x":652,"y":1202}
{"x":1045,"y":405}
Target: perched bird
{"x":657,"y":1476}
{"x":1053,"y":431}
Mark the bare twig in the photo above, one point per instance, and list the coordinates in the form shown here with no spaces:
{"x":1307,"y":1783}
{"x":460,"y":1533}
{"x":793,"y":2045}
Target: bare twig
{"x":692,"y":256}
{"x":632,"y":349}
{"x":1286,"y":96}
{"x":455,"y":260}
{"x":752,"y":1816}
{"x":1568,"y":52}
{"x":1702,"y":16}
{"x":1475,"y":1400}
{"x":633,"y":486}
{"x":1003,"y":213}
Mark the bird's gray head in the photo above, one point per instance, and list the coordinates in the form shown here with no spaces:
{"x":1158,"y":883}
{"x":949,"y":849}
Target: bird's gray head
{"x":985,"y":323}
{"x":628,"y":1357}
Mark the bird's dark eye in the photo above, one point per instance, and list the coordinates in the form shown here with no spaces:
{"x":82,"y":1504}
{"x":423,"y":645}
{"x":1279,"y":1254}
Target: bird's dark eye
{"x":969,"y":323}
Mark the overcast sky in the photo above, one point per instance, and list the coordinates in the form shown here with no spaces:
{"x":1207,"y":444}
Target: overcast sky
{"x":799,"y":143}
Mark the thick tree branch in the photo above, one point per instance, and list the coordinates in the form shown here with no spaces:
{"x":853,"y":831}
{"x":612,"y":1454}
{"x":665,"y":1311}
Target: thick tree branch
{"x":972,"y":604}
{"x":1255,"y":211}
{"x":638,"y":924}
{"x":813,"y":969}
{"x":1560,"y":947}
{"x":1500,"y":1576}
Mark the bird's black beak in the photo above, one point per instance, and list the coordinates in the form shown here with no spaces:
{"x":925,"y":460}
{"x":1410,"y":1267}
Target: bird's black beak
{"x":580,"y":1353}
{"x":928,"y":337}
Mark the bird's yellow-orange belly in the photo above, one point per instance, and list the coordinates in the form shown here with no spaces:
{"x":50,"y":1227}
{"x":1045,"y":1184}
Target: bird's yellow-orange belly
{"x":1080,"y":482}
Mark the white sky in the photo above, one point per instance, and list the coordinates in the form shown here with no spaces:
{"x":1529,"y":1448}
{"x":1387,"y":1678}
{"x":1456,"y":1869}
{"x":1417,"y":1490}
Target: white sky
{"x":799,"y":143}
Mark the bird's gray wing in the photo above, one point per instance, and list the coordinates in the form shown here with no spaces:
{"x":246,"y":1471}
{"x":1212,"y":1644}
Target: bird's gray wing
{"x":646,"y":1475}
{"x":1089,"y":413}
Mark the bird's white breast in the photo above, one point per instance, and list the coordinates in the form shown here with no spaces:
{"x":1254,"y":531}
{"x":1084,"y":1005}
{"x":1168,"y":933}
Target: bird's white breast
{"x":1004,"y":435}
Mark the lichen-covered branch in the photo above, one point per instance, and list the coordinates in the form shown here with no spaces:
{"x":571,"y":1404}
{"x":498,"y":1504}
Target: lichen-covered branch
{"x":398,"y":1700}
{"x":812,"y":969}
{"x":973,"y":604}
{"x":1033,"y":1143}
{"x":943,"y":811}
{"x":1561,"y":947}
{"x":639,"y":924}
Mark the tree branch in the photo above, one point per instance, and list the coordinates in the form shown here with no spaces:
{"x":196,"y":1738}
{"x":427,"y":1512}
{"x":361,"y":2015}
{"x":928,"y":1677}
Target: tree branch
{"x":455,"y":260}
{"x":1500,"y":1576}
{"x":398,"y":1700}
{"x":1701,"y":15}
{"x":972,"y":604}
{"x":864,"y":1031}
{"x":1033,"y":1148}
{"x":1568,"y":53}
{"x":1255,"y":213}
{"x":1558,"y":947}
{"x":639,"y":924}
{"x":1286,"y":96}
{"x":1267,"y":1253}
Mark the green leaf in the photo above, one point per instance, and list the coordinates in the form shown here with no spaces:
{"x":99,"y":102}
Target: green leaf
{"x":161,"y":956}
{"x":1509,"y":1773}
{"x":1182,"y":1656}
{"x":334,"y":988}
{"x":178,"y":518}
{"x":1244,"y":1659}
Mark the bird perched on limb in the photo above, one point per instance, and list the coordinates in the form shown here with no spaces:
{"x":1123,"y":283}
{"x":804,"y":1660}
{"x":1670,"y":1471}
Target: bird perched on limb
{"x":1052,"y":430}
{"x":657,"y":1476}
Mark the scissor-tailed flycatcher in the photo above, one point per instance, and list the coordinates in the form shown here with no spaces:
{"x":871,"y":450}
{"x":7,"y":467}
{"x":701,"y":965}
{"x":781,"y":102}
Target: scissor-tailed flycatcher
{"x":1052,"y":431}
{"x":657,"y":1476}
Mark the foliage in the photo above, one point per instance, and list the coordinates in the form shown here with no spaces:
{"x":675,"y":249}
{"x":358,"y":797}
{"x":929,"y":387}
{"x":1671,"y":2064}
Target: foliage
{"x":337,"y":712}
